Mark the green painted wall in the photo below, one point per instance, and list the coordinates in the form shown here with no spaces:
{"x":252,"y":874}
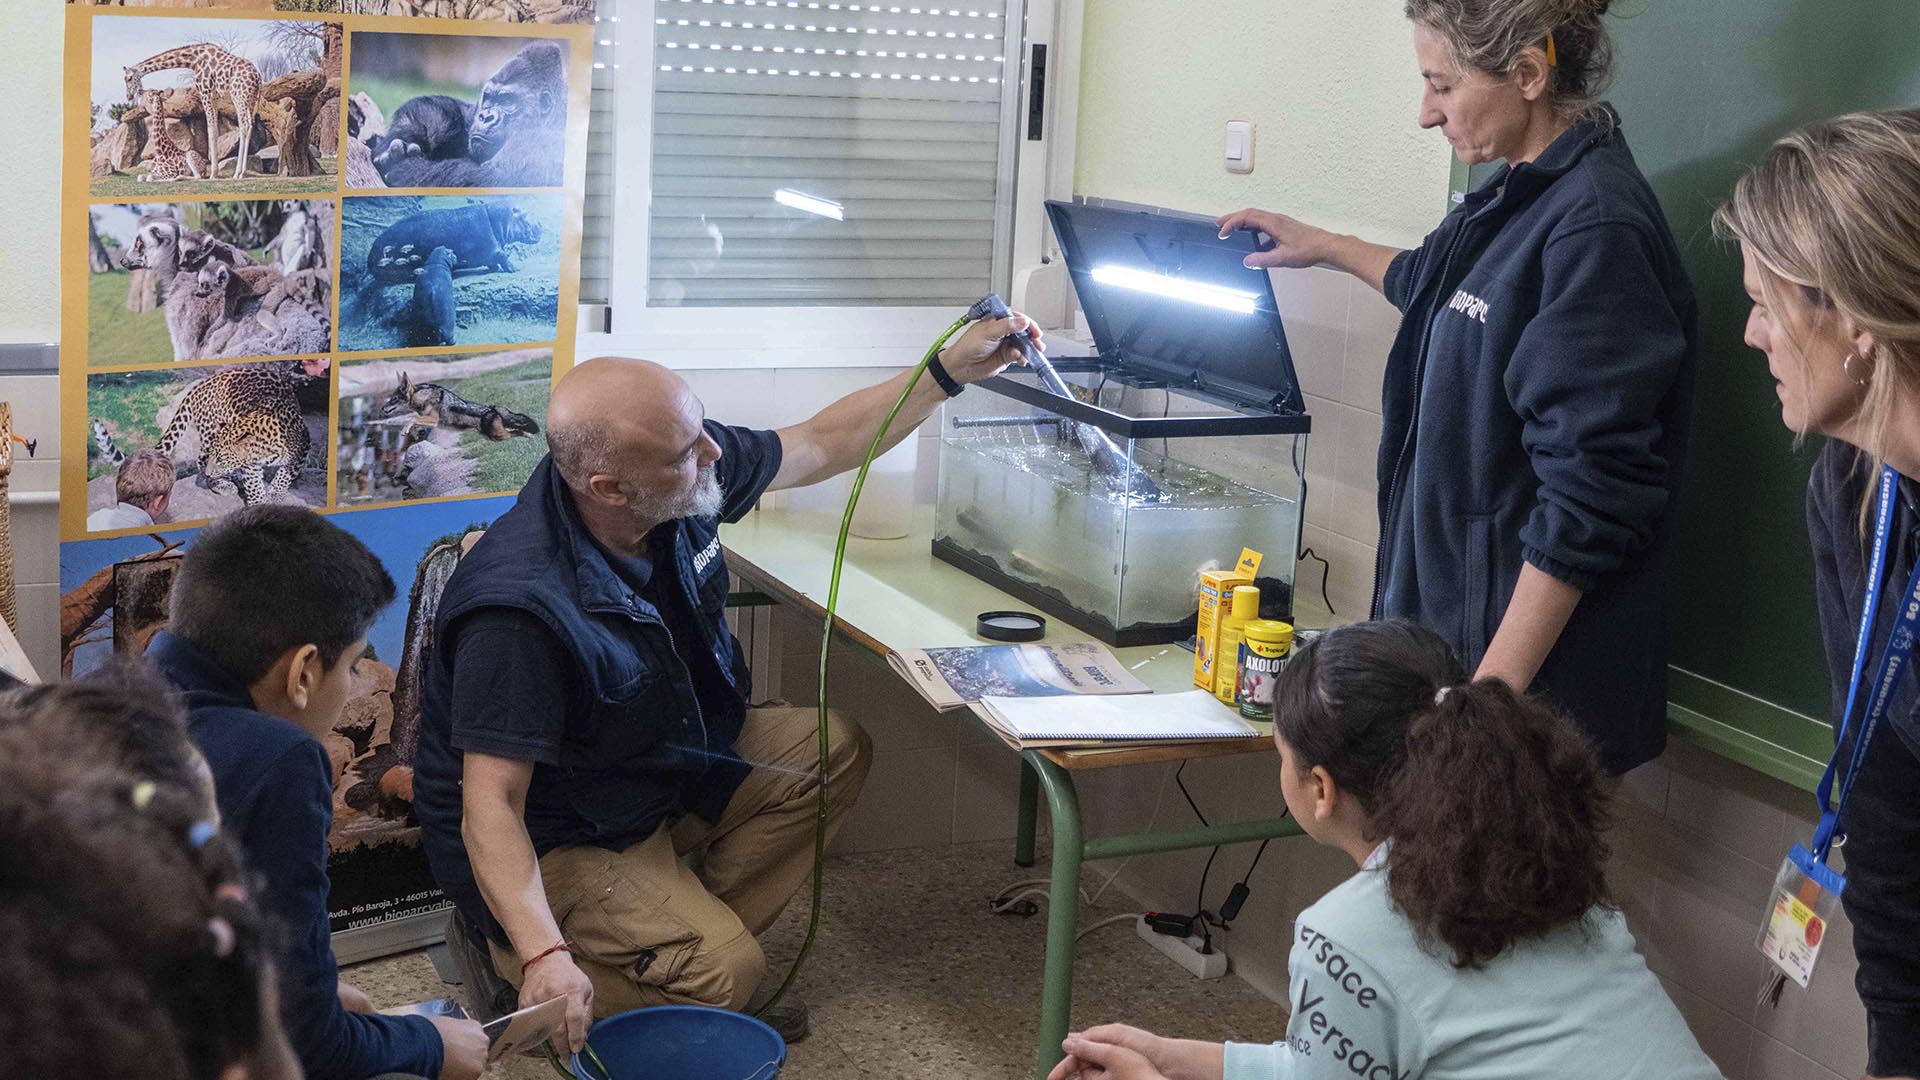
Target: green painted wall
{"x":1704,"y":87}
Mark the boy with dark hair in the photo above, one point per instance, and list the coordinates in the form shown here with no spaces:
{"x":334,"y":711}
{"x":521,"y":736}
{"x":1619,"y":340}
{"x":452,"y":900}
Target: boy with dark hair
{"x":270,"y":612}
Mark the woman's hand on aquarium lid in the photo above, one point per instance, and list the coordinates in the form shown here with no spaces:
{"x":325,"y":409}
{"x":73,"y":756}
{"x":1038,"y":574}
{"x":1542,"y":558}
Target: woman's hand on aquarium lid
{"x":1286,"y":242}
{"x":988,"y":347}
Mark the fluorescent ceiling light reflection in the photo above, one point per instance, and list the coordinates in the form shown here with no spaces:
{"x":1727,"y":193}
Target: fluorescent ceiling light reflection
{"x":1173,"y":288}
{"x":822,"y":207}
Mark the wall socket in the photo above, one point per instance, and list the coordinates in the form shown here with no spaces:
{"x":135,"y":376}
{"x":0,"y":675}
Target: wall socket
{"x":1184,"y":951}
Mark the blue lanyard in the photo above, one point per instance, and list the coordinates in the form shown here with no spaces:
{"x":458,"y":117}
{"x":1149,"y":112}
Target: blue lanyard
{"x":1893,"y":664}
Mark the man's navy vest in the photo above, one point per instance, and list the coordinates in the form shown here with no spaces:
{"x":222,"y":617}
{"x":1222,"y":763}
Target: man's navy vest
{"x":645,"y":740}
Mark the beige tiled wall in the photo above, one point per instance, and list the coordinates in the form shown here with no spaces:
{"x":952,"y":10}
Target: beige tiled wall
{"x":1339,"y":331}
{"x":36,"y":548}
{"x":937,"y":778}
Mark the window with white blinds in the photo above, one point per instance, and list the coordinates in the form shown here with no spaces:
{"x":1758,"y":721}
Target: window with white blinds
{"x":596,"y":239}
{"x":809,"y":152}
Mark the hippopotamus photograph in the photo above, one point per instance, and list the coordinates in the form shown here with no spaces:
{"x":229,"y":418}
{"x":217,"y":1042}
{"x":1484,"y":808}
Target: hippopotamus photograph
{"x":449,"y":270}
{"x":432,"y":317}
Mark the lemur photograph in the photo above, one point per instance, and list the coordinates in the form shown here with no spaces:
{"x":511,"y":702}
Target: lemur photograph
{"x":432,"y":427}
{"x":199,"y":281}
{"x":423,"y":271}
{"x":435,"y":111}
{"x":190,"y":444}
{"x":214,"y":106}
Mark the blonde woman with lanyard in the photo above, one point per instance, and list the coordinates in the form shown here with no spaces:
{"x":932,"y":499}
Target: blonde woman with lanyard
{"x":1829,"y":228}
{"x":1536,"y":399}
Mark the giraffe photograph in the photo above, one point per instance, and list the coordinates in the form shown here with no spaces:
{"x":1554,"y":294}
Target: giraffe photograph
{"x":192,"y":444}
{"x":214,"y":280}
{"x":214,"y":106}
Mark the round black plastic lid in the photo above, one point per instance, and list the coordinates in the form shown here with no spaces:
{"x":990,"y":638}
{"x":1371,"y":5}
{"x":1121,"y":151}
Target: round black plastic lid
{"x":1010,"y":626}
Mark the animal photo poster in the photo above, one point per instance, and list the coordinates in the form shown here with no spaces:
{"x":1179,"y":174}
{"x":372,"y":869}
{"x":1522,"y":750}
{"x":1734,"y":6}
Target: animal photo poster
{"x":114,"y":599}
{"x":321,"y":253}
{"x":215,"y":280}
{"x":430,"y":426}
{"x":438,"y":112}
{"x":449,"y":270}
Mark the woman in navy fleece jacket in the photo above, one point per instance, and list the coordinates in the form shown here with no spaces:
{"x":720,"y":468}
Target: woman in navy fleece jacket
{"x":1536,"y":400}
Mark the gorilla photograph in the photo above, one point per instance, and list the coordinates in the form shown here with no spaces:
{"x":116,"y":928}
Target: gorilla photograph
{"x":436,"y":111}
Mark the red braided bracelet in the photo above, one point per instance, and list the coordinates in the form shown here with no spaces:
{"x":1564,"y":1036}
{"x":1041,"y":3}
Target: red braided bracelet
{"x":558,"y":946}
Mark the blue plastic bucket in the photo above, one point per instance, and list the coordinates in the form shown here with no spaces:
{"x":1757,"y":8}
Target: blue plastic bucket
{"x":682,"y":1042}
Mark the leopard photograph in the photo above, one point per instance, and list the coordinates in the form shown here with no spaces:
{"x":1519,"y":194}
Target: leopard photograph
{"x":237,"y":435}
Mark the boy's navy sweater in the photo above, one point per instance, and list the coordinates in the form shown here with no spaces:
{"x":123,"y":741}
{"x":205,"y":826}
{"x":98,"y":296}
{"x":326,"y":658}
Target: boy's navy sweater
{"x":273,"y":784}
{"x":1535,"y":409}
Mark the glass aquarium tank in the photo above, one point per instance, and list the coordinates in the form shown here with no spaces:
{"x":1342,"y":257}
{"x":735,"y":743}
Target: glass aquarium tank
{"x":1100,"y":490}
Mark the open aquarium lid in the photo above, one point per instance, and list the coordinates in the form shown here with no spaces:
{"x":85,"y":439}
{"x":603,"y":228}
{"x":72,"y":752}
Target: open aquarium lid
{"x":1166,"y":297}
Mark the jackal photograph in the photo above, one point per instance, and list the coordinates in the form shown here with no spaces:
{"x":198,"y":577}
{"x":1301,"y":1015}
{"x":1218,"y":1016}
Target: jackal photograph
{"x":434,"y":427}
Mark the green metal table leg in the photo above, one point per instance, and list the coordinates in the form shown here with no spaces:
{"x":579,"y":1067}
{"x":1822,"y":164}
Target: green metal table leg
{"x":1070,"y":850}
{"x":1063,"y":910}
{"x":1029,"y":812}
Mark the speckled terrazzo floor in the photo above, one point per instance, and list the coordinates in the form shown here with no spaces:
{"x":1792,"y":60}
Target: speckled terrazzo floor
{"x":912,"y":977}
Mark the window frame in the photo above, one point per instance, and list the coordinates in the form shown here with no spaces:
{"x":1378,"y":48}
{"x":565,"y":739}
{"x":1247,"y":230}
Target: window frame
{"x":737,"y":337}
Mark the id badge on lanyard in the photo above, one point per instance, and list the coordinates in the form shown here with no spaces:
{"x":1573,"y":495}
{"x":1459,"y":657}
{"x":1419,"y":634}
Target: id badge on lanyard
{"x":1806,"y":892}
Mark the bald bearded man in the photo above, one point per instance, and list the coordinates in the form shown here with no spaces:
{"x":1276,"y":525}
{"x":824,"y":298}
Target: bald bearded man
{"x":585,"y":722}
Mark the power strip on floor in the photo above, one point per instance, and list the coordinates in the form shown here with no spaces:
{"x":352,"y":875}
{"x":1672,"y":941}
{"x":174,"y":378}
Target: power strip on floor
{"x":1185,"y":951}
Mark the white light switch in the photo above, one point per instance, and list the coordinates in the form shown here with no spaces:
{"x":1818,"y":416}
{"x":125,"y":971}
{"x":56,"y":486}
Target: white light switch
{"x":1239,"y":146}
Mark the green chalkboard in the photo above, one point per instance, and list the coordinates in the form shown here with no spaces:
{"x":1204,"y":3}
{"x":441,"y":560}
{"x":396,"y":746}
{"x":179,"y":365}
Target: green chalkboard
{"x":1704,"y":86}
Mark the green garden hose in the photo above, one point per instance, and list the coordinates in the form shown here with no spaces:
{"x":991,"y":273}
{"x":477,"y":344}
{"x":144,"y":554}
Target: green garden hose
{"x":826,"y":641}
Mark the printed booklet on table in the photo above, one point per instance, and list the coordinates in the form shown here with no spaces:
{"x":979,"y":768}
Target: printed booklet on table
{"x":953,"y":678}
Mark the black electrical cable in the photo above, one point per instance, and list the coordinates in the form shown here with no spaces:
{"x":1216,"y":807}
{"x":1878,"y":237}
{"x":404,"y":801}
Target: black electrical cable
{"x":1200,"y":902}
{"x":1326,"y":568}
{"x":1202,"y":918}
{"x":1262,"y":850}
{"x":1182,"y":785}
{"x":1237,"y":896}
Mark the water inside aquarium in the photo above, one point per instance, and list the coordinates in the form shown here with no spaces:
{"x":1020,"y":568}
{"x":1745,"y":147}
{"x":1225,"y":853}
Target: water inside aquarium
{"x":1034,"y":506}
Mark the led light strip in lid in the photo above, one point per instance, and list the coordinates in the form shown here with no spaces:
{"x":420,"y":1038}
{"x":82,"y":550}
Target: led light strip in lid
{"x":1173,"y":288}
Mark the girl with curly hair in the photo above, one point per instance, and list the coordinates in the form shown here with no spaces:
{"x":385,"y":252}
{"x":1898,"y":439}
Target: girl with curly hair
{"x":1477,"y":939}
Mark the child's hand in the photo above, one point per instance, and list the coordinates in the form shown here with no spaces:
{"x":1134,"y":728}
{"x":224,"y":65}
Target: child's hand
{"x":1170,"y":1059}
{"x":1102,"y":1061}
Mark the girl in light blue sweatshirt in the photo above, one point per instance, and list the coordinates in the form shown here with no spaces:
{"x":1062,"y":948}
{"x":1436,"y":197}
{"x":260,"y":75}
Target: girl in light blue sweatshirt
{"x":1476,"y":942}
